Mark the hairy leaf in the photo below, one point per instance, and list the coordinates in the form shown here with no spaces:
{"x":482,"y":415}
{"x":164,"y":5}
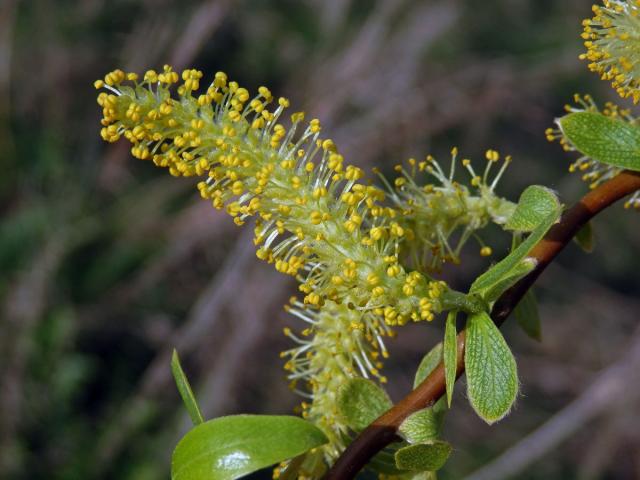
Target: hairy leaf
{"x":185,"y":390}
{"x":516,"y":274}
{"x":527,"y":315}
{"x":504,"y":267}
{"x":423,"y":456}
{"x":603,"y":138}
{"x":428,"y":364}
{"x":384,"y":462}
{"x":536,"y":203}
{"x":421,"y":426}
{"x":229,"y":447}
{"x":450,"y":354}
{"x":492,"y":379}
{"x":360,"y":402}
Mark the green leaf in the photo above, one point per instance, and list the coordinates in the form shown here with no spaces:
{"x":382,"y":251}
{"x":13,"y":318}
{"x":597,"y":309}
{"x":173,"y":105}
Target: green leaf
{"x":229,"y":447}
{"x":536,"y":203}
{"x":384,"y":462}
{"x":428,"y":364}
{"x":421,"y":426}
{"x":504,"y":267}
{"x":450,"y":354}
{"x":585,"y":238}
{"x":605,"y":139}
{"x":423,"y":456}
{"x":360,"y":402}
{"x":528,"y":317}
{"x":185,"y":390}
{"x":516,"y":274}
{"x":492,"y":379}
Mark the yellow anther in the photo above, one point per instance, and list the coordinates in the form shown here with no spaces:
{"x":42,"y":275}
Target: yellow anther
{"x":492,"y":155}
{"x":316,"y":217}
{"x":486,"y":251}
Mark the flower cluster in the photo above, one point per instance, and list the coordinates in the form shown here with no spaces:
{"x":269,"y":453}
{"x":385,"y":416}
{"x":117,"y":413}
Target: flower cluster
{"x":612,"y":38}
{"x":593,"y":171}
{"x":433,"y":213}
{"x":337,"y":344}
{"x":310,"y":206}
{"x":344,"y":241}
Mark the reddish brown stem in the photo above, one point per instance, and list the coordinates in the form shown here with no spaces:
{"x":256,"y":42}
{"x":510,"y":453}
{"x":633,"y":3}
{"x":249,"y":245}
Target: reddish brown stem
{"x":383,"y":430}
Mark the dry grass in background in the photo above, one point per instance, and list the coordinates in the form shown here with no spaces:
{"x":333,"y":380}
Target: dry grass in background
{"x":107,"y":265}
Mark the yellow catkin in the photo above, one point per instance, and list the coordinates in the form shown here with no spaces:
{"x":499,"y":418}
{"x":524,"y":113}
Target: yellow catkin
{"x":313,"y":216}
{"x":314,"y":219}
{"x":612,"y":40}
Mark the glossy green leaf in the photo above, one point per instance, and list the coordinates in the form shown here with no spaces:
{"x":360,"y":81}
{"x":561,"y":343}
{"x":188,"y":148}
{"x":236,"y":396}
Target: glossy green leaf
{"x":360,"y":402}
{"x":608,"y":140}
{"x":450,"y":354}
{"x":423,"y":456}
{"x":492,"y":379}
{"x":229,"y":447}
{"x":504,"y":267}
{"x":585,"y":238}
{"x":527,"y":315}
{"x":421,"y":426}
{"x":185,"y":390}
{"x":536,"y":203}
{"x":428,"y":364}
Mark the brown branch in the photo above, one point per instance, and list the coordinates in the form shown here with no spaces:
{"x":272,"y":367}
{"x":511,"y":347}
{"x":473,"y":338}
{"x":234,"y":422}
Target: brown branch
{"x":383,"y":430}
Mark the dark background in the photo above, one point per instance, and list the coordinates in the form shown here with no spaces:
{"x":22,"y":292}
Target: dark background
{"x":108,"y":263}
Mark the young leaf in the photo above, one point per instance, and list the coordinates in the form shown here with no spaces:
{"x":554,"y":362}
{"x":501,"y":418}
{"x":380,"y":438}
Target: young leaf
{"x":421,"y":426}
{"x":361,"y":401}
{"x":423,"y":456}
{"x":384,"y":462}
{"x":428,"y":364}
{"x":492,"y":379}
{"x":585,"y":238}
{"x":518,"y":272}
{"x":504,"y":267}
{"x":528,"y":317}
{"x":603,"y":138}
{"x":536,"y":203}
{"x":450,"y":354}
{"x":229,"y":447}
{"x":185,"y":390}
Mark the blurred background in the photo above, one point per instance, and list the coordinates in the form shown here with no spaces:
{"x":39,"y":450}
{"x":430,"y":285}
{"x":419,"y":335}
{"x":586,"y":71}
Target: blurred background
{"x":107,"y":263}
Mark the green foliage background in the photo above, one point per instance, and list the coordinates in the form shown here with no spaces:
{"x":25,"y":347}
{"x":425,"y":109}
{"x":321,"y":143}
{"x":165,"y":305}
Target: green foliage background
{"x":106,"y":264}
